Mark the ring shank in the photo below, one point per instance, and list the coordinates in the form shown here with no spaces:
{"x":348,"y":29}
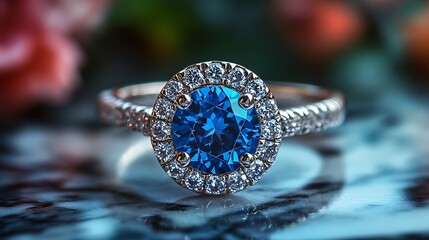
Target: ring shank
{"x":303,"y":108}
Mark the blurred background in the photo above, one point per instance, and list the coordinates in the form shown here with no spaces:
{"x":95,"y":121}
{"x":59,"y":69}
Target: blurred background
{"x":57,"y":55}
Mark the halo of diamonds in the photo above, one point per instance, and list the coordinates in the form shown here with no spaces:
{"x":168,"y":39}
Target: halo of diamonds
{"x":243,"y":81}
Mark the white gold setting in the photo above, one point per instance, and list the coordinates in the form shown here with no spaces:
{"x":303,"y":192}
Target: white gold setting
{"x":275,"y":122}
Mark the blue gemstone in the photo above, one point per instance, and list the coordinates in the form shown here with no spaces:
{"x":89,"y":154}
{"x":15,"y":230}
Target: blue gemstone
{"x":214,"y":130}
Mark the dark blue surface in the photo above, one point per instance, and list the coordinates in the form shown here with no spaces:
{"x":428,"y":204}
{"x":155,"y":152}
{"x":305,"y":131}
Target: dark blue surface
{"x":215,"y":131}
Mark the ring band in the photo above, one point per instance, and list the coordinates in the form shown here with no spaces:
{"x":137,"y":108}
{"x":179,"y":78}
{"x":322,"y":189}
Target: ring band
{"x":180,"y":118}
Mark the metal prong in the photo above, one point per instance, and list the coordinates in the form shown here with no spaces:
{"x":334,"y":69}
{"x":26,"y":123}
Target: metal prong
{"x":246,"y":101}
{"x":183,"y":159}
{"x":246,"y":159}
{"x":184,"y":101}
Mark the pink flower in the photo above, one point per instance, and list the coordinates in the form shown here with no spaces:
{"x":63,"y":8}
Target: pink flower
{"x":38,"y":58}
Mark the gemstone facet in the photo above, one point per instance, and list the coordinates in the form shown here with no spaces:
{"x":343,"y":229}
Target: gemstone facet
{"x":214,"y":130}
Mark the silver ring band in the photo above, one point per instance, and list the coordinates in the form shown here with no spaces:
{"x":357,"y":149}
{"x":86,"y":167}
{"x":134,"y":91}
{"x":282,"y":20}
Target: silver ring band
{"x":303,"y":108}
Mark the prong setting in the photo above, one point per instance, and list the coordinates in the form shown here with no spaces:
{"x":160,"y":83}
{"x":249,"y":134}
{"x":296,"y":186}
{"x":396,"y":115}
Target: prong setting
{"x":246,"y":101}
{"x":183,"y":101}
{"x":246,"y":159}
{"x":183,"y":159}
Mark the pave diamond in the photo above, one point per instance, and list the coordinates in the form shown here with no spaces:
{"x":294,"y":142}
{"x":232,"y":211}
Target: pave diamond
{"x":293,"y":124}
{"x":164,"y":109}
{"x":215,"y":185}
{"x":215,"y":73}
{"x":256,"y":170}
{"x":267,"y":108}
{"x":172,"y":89}
{"x":164,"y":151}
{"x":173,"y":170}
{"x":271,"y":129}
{"x":215,"y":131}
{"x":194,"y":181}
{"x":194,"y":78}
{"x":256,"y":88}
{"x":237,"y":181}
{"x":237,"y":78}
{"x":268,"y":150}
{"x":160,"y":130}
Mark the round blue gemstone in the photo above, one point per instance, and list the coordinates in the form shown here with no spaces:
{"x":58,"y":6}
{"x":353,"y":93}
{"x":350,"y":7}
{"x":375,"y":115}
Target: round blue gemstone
{"x":214,"y":130}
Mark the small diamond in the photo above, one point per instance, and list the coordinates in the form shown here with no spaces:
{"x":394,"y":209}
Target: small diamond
{"x":173,"y":170}
{"x":267,"y":108}
{"x":256,"y":170}
{"x":215,"y":185}
{"x":236,"y":77}
{"x":312,"y":122}
{"x":237,"y":181}
{"x":271,"y":129}
{"x":161,"y":130}
{"x":256,"y":88}
{"x":194,"y":181}
{"x":164,"y":151}
{"x":172,"y":90}
{"x":267,"y":151}
{"x":193,"y":78}
{"x":164,"y":109}
{"x":293,"y":124}
{"x":215,"y":73}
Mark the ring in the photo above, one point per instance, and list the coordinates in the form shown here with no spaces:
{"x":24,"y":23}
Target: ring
{"x":215,"y":126}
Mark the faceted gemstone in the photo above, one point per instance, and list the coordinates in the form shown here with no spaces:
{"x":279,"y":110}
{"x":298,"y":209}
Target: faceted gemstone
{"x":164,"y":109}
{"x":214,"y":130}
{"x":271,"y":129}
{"x":193,"y":78}
{"x":215,"y":185}
{"x":164,"y":151}
{"x":215,"y":73}
{"x":237,"y":181}
{"x":236,"y":77}
{"x":194,"y":181}
{"x":174,"y":171}
{"x":256,"y":170}
{"x":160,"y":130}
{"x":267,"y":108}
{"x":256,"y":88}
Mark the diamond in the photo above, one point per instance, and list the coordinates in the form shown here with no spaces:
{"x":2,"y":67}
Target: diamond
{"x":194,"y":78}
{"x":237,"y":181}
{"x":164,"y":151}
{"x":194,"y":181}
{"x":267,"y":108}
{"x":256,"y":88}
{"x":293,"y":124}
{"x":312,"y":122}
{"x":164,"y":109}
{"x":160,"y":130}
{"x":268,"y":150}
{"x":215,"y":73}
{"x":236,"y":77}
{"x":215,"y":131}
{"x":215,"y":185}
{"x":256,"y":170}
{"x":174,"y":170}
{"x":271,"y":129}
{"x":172,"y":89}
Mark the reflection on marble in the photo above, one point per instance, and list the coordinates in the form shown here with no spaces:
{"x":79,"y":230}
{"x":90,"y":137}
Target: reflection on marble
{"x":366,"y":179}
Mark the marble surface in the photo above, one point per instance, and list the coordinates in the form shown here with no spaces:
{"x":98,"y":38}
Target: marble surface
{"x":366,"y":179}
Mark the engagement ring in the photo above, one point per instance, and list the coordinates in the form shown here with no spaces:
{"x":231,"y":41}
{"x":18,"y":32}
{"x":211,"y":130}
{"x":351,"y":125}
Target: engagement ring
{"x":216,"y":127}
